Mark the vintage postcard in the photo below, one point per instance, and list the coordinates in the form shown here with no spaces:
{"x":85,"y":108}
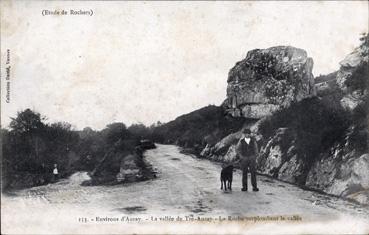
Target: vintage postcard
{"x":184,"y":117}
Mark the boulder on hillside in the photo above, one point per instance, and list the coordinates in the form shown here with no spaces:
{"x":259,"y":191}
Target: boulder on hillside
{"x":278,"y":150}
{"x":130,"y":169}
{"x":207,"y":151}
{"x":268,"y":79}
{"x":292,"y":170}
{"x":342,"y":174}
{"x":222,"y":146}
{"x":225,"y":149}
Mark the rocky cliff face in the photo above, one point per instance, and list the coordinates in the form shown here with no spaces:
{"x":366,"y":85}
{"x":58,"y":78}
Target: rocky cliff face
{"x":343,"y":173}
{"x":276,"y":154}
{"x":267,"y":80}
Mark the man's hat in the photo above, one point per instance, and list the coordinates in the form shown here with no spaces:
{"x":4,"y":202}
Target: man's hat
{"x":246,"y":131}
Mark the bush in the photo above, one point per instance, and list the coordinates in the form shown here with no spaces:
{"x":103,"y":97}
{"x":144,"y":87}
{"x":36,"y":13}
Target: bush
{"x":359,"y":78}
{"x":317,"y":125}
{"x":359,"y":137}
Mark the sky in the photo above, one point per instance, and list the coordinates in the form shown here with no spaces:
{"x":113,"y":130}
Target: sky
{"x":143,"y":62}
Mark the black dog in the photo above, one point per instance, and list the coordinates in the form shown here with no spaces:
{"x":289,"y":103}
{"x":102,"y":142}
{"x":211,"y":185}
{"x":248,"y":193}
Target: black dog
{"x":226,"y":176}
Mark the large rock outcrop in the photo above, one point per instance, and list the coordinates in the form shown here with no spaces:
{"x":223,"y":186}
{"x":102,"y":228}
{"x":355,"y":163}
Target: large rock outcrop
{"x":268,"y":79}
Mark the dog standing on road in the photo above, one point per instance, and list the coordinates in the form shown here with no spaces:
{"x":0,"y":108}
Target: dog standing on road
{"x":226,"y":176}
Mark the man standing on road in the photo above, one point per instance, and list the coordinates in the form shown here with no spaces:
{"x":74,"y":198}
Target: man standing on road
{"x":247,"y":150}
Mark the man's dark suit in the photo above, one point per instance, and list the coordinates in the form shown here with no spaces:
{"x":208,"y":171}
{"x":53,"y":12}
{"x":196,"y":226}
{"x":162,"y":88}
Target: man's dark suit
{"x":247,"y":152}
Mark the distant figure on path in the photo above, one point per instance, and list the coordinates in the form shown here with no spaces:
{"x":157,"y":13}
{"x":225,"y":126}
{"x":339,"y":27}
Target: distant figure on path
{"x":247,"y":150}
{"x":55,"y":173}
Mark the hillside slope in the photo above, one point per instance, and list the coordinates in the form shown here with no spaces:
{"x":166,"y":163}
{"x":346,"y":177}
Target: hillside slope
{"x":197,"y":129}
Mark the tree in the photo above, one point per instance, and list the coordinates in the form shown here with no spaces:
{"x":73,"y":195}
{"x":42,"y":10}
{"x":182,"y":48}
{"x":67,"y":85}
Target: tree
{"x":27,"y":121}
{"x":139,"y":130}
{"x":114,"y":132}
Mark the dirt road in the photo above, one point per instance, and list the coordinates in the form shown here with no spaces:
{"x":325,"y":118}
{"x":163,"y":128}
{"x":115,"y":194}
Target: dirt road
{"x":186,"y":189}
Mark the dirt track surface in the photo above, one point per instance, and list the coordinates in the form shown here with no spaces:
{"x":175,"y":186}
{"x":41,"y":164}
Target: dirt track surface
{"x":186,"y":187}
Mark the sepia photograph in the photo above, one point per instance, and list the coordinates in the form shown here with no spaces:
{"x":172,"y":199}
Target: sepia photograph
{"x":184,"y":117}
